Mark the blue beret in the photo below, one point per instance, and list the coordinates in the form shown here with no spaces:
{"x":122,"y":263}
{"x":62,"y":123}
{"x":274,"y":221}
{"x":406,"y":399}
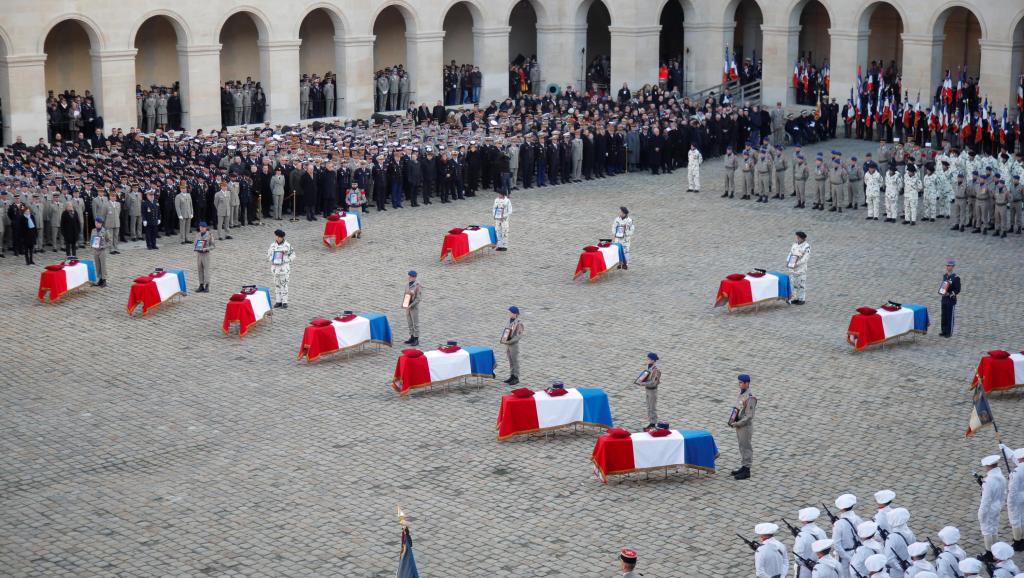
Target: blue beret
{"x":821,"y":155}
{"x":100,"y":220}
{"x":800,"y":156}
{"x":975,"y":173}
{"x":1016,"y":177}
{"x":279,"y":233}
{"x":836,"y":153}
{"x":652,"y":356}
{"x":951,"y":263}
{"x":558,"y":385}
{"x":853,"y":158}
{"x":744,"y":378}
{"x":453,"y":343}
{"x":513,"y":309}
{"x":412,"y":273}
{"x":662,"y":425}
{"x":203,"y":224}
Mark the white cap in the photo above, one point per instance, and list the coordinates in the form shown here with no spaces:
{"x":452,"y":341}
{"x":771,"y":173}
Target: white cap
{"x":866,"y":529}
{"x":1001,"y":551}
{"x":898,"y":517}
{"x":949,"y":535}
{"x":875,"y":562}
{"x":846,"y":501}
{"x":821,"y":545}
{"x":765,"y":528}
{"x":926,"y":574}
{"x":884,"y":496}
{"x":917,"y":549}
{"x":990,"y":460}
{"x":970,"y":566}
{"x":1018,"y":454}
{"x":809,"y":514}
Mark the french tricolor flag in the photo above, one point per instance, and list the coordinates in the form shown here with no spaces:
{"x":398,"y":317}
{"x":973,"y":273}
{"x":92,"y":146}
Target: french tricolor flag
{"x":620,"y":452}
{"x":63,"y":277}
{"x":872,"y":325}
{"x":523,"y":413}
{"x":739,"y":290}
{"x":344,"y":332}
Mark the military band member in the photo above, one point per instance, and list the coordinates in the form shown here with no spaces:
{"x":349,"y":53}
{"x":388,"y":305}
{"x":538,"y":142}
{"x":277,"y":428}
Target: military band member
{"x":742,"y":420}
{"x":771,"y":560}
{"x":827,"y":566}
{"x":622,"y":231}
{"x":100,"y":243}
{"x":649,"y":379}
{"x":280,"y":254}
{"x":501,"y":211}
{"x":799,"y":254}
{"x":411,"y":303}
{"x":694,"y":160}
{"x":510,"y":337}
{"x":993,"y":493}
{"x":809,"y":533}
{"x":947,"y":563}
{"x":202,"y":248}
{"x":949,"y":289}
{"x":844,"y":531}
{"x":800,"y":175}
{"x":731,"y":164}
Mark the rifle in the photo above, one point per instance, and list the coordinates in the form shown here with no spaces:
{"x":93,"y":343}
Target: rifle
{"x":990,"y":566}
{"x":884,"y":534}
{"x":831,"y":517}
{"x":791,"y":528}
{"x":978,"y":478}
{"x":807,"y":563}
{"x":903,"y":563}
{"x":751,"y":543}
{"x":935,"y":550}
{"x":854,"y":570}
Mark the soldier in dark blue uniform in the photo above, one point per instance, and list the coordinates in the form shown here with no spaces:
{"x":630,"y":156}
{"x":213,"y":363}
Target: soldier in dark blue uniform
{"x":949,"y":290}
{"x":150,"y":218}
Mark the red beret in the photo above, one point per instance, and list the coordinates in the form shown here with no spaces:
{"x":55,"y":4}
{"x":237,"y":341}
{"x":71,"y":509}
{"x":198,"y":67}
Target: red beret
{"x":735,"y":276}
{"x":143,"y":279}
{"x":412,"y":352}
{"x":320,"y":322}
{"x":334,"y":217}
{"x":867,"y":310}
{"x":455,"y":231}
{"x":522,"y":392}
{"x":56,"y":267}
{"x":590,"y":249}
{"x":618,"y":432}
{"x":999,"y":354}
{"x":237,"y":297}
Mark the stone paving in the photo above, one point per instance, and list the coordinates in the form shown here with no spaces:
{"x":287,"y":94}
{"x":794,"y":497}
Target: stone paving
{"x":159,"y":447}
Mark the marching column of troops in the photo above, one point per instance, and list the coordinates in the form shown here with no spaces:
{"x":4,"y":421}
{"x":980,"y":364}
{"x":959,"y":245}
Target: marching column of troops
{"x":886,"y":547}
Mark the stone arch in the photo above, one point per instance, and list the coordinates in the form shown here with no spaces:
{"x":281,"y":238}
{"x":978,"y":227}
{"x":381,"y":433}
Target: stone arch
{"x":459,"y":44}
{"x":538,"y":7}
{"x":5,"y":43}
{"x":796,"y":9}
{"x":156,"y":59}
{"x":408,"y":13}
{"x":868,"y":7}
{"x":259,"y":19}
{"x":97,"y":41}
{"x":319,"y":54}
{"x":584,"y":6}
{"x":476,"y":11}
{"x":942,"y":14}
{"x":747,"y":39}
{"x":959,"y":48}
{"x":881,"y":45}
{"x":338,"y":18}
{"x":181,"y":27}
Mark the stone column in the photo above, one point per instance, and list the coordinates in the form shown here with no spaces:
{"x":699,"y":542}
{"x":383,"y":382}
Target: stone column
{"x":425,"y":57}
{"x":559,"y":54}
{"x":922,"y":63}
{"x":113,"y":80}
{"x":848,"y":49}
{"x":490,"y":53}
{"x":355,"y":76}
{"x":704,"y":59}
{"x":999,"y":84}
{"x":25,"y":101}
{"x":200,"y":86}
{"x":634,"y":56}
{"x":279,"y":75}
{"x":780,"y":45}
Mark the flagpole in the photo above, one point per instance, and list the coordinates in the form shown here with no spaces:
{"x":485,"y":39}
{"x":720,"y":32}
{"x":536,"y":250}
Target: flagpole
{"x":999,"y":438}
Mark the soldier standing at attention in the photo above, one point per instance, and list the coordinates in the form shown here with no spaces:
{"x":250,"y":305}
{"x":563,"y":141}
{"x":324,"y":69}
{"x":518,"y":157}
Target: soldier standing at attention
{"x":837,"y":180}
{"x":222,"y":204}
{"x":742,"y":420}
{"x":771,"y":558}
{"x":694,"y":160}
{"x":134,"y":202}
{"x":764,"y":176}
{"x":731,"y":164}
{"x":510,"y":336}
{"x":809,"y":533}
{"x":748,"y":174}
{"x":411,"y":303}
{"x":799,"y":253}
{"x":183,"y":207}
{"x":855,"y":174}
{"x":622,"y":230}
{"x":912,"y":190}
{"x":150,"y":218}
{"x":780,"y":172}
{"x":100,"y":241}
{"x":873,"y":191}
{"x":281,"y":256}
{"x":893,"y":184}
{"x":949,"y":289}
{"x":650,"y":378}
{"x":203,"y":246}
{"x":114,"y":217}
{"x":800,"y":175}
{"x":820,"y":176}
{"x":502,"y":210}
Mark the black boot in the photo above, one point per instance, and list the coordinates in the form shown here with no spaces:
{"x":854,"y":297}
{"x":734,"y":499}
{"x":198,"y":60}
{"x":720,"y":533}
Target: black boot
{"x":514,"y":380}
{"x":415,"y":341}
{"x":410,"y":340}
{"x":509,"y":380}
{"x":743,"y":474}
{"x":736,"y":471}
{"x":1018,"y":545}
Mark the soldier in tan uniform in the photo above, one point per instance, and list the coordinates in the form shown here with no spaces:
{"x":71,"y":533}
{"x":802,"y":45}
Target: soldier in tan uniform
{"x":981,"y":212}
{"x":764,"y":176}
{"x":731,"y":164}
{"x":510,"y":337}
{"x":649,"y":379}
{"x":837,"y":180}
{"x":412,"y":309}
{"x":780,"y":166}
{"x":748,"y":174}
{"x":800,"y":175}
{"x":742,"y":420}
{"x":1001,"y":196}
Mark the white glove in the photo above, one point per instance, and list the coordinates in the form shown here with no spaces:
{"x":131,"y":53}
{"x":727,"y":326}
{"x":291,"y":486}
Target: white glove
{"x":144,"y":224}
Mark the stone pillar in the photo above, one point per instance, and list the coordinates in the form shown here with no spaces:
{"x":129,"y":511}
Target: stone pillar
{"x":279,"y":75}
{"x":922,"y":63}
{"x":425,"y":57}
{"x":490,"y":53}
{"x":848,"y":49}
{"x":113,"y":78}
{"x":25,"y":101}
{"x":635,"y":56}
{"x":780,"y":45}
{"x":995,"y":81}
{"x":704,"y":59}
{"x":559,"y":54}
{"x":355,"y":76}
{"x":200,"y":86}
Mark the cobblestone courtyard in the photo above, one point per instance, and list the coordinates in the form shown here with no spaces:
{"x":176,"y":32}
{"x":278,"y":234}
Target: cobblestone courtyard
{"x":159,"y":447}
